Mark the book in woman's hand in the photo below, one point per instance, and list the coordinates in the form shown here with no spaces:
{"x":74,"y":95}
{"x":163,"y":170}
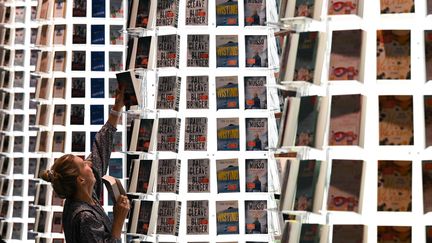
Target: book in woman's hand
{"x":114,"y":187}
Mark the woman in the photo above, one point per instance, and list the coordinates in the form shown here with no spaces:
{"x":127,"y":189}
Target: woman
{"x":79,"y":182}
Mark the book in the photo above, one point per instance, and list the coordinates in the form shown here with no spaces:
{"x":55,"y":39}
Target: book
{"x":256,"y":217}
{"x":78,"y":141}
{"x":305,"y":62}
{"x":342,"y":232}
{"x":255,"y":12}
{"x":79,"y":8}
{"x":428,"y":233}
{"x":59,"y":9}
{"x":97,"y":61}
{"x":227,"y":13}
{"x":18,"y":101}
{"x":256,"y":175}
{"x":142,"y":135}
{"x":197,"y":217}
{"x":17,"y":209}
{"x":392,"y":7}
{"x":44,"y":9}
{"x":132,"y":88}
{"x":427,"y":185}
{"x":393,"y":54}
{"x":114,"y":187}
{"x":227,"y":51}
{"x":313,"y":233}
{"x":196,"y":12}
{"x":43,"y":141}
{"x":116,"y":9}
{"x":78,"y":61}
{"x":18,"y":124}
{"x":43,"y":114}
{"x":59,"y":61}
{"x":19,"y":14}
{"x":302,"y":9}
{"x":115,"y":167}
{"x":142,"y":176}
{"x":77,"y":114}
{"x":345,"y":185}
{"x":256,"y":51}
{"x":168,"y":217}
{"x":56,"y":226}
{"x":168,"y":50}
{"x":79,"y":34}
{"x":115,"y":61}
{"x":168,"y":93}
{"x":18,"y":145}
{"x":59,"y":140}
{"x":394,"y":234}
{"x":141,"y":14}
{"x":18,"y":79}
{"x":97,"y":115}
{"x":198,"y":176}
{"x":345,"y":120}
{"x":19,"y":58}
{"x":198,"y":48}
{"x":98,"y":8}
{"x":168,"y":134}
{"x":97,"y":89}
{"x":228,"y":134}
{"x":168,"y":177}
{"x":228,"y":175}
{"x":227,"y":217}
{"x":19,"y":36}
{"x":167,"y":13}
{"x":197,"y":92}
{"x":255,"y":92}
{"x":307,"y":121}
{"x":396,"y":120}
{"x":227,"y":92}
{"x":140,"y":52}
{"x":59,"y":34}
{"x":97,"y":34}
{"x":116,"y":35}
{"x":78,"y":88}
{"x":142,"y":218}
{"x":343,"y":7}
{"x":394,"y":186}
{"x":256,"y":134}
{"x":428,"y":52}
{"x":346,"y":55}
{"x":195,"y":134}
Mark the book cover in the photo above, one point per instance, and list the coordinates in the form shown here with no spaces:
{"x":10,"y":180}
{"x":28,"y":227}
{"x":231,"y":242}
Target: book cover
{"x":79,"y":8}
{"x":228,"y":134}
{"x":20,"y":14}
{"x":340,"y":7}
{"x":98,"y":61}
{"x":304,"y":8}
{"x":428,"y":52}
{"x":256,"y":175}
{"x":168,"y":218}
{"x":142,"y":58}
{"x":144,"y":217}
{"x":141,"y":16}
{"x":343,"y":232}
{"x":98,"y":8}
{"x":127,"y":80}
{"x":227,"y":51}
{"x":345,"y":185}
{"x":97,"y":115}
{"x":59,"y":37}
{"x":394,"y":185}
{"x":197,"y":217}
{"x":256,"y":51}
{"x":115,"y":168}
{"x":306,"y":122}
{"x":78,"y":88}
{"x":116,"y":8}
{"x":196,"y":12}
{"x":345,"y":55}
{"x":227,"y":217}
{"x":59,"y":139}
{"x":393,"y":54}
{"x":306,"y":182}
{"x":144,"y":135}
{"x":310,"y":233}
{"x":195,"y":134}
{"x":59,"y":9}
{"x":79,"y":34}
{"x":59,"y":115}
{"x":168,"y":134}
{"x":198,"y":50}
{"x":115,"y":61}
{"x":57,"y":222}
{"x":396,"y":120}
{"x":307,"y":49}
{"x":255,"y":12}
{"x":167,"y":13}
{"x":142,"y":179}
{"x":78,"y":60}
{"x":168,"y":178}
{"x":19,"y":36}
{"x":78,"y":141}
{"x":77,"y":115}
{"x":116,"y":35}
{"x":256,"y":217}
{"x":400,"y":234}
{"x":255,"y":92}
{"x":18,"y":101}
{"x":97,"y":87}
{"x":59,"y":61}
{"x":168,"y":93}
{"x":345,"y":120}
{"x":228,"y":176}
{"x":428,"y":231}
{"x":97,"y":34}
{"x":227,"y":13}
{"x":429,"y":6}
{"x":227,"y":92}
{"x":114,"y":187}
{"x":256,"y":134}
{"x":197,"y":92}
{"x":198,"y":175}
{"x":396,"y":6}
{"x":168,"y":50}
{"x":427,"y":186}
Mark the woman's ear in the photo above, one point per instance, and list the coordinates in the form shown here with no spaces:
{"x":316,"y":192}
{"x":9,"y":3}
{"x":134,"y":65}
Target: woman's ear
{"x":80,"y":180}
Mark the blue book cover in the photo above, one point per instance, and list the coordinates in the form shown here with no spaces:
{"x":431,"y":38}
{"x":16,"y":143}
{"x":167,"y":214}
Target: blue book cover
{"x":226,"y":13}
{"x":227,"y":217}
{"x":92,"y":139}
{"x":116,"y":168}
{"x":227,"y":51}
{"x":97,"y":88}
{"x":228,"y":175}
{"x":228,"y":134}
{"x":227,"y":95}
{"x":98,"y":34}
{"x":97,"y":115}
{"x":98,"y":61}
{"x":98,"y":8}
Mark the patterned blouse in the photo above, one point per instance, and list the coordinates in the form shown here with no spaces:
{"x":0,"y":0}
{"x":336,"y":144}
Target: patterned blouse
{"x":83,"y":222}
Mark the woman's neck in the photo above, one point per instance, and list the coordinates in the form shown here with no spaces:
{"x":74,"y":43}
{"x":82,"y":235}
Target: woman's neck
{"x":85,"y":196}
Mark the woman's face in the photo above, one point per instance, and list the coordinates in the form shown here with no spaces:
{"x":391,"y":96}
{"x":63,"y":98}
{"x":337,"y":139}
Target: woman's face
{"x":86,"y":171}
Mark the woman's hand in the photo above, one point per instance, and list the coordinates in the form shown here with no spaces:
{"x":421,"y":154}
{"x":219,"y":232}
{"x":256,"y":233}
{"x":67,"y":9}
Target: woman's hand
{"x":121,"y":209}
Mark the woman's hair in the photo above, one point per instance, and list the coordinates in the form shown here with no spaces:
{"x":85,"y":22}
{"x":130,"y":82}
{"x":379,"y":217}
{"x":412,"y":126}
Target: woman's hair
{"x":62,"y":175}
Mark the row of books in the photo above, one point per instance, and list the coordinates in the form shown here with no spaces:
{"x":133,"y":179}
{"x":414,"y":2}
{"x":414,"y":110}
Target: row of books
{"x":15,"y":231}
{"x":163,"y":51}
{"x":149,"y":14}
